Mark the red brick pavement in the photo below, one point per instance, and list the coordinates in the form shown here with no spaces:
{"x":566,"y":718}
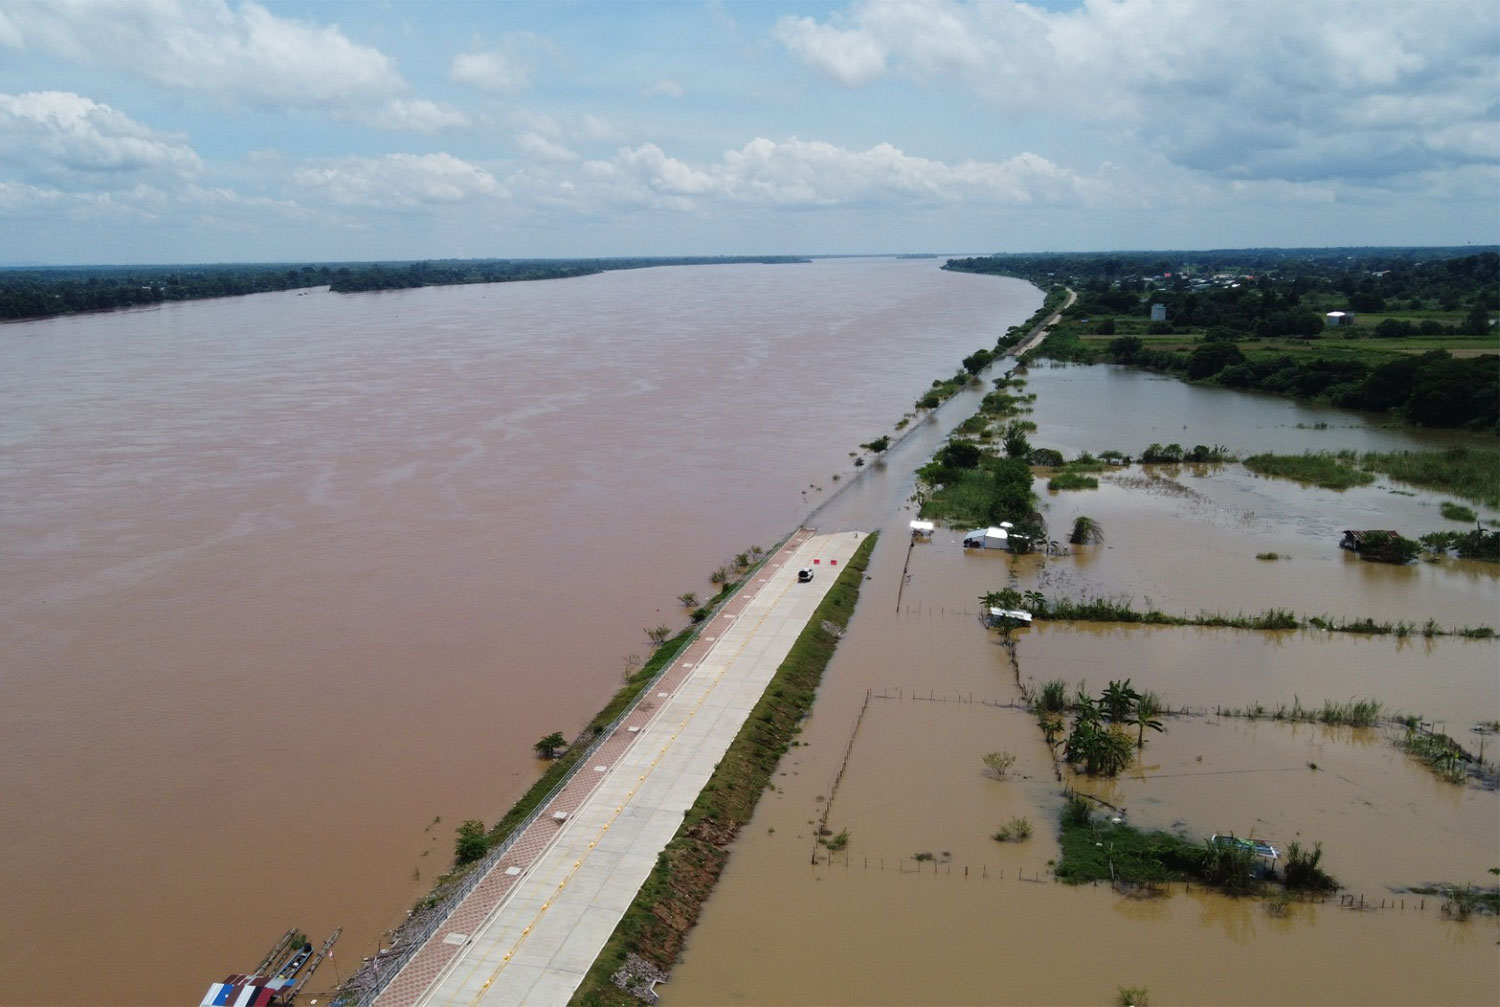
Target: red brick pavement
{"x":434,"y":956}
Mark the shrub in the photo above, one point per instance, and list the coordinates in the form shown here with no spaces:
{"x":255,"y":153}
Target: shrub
{"x":1302,"y":871}
{"x":470,"y":844}
{"x":1017,"y":830}
{"x":999,"y":763}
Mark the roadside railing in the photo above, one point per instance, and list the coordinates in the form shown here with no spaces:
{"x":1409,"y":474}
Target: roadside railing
{"x":416,"y":939}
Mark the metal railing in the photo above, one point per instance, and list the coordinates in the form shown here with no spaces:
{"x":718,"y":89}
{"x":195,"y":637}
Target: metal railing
{"x":418,"y":938}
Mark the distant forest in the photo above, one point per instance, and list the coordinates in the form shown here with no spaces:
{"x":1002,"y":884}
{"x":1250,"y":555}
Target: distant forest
{"x":1404,"y":331}
{"x":43,"y":292}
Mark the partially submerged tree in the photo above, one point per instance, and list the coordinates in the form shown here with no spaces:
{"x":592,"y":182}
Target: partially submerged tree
{"x":547,"y":747}
{"x":1086,"y":531}
{"x":1147,"y":709}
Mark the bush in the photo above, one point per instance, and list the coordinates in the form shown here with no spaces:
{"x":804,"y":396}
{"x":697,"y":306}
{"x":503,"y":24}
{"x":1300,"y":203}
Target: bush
{"x":1017,"y":830}
{"x":470,"y":844}
{"x":1045,"y":458}
{"x":999,"y":763}
{"x":1302,"y":871}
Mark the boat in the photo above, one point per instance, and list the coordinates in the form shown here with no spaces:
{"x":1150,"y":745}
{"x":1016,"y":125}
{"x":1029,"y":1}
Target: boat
{"x":282,"y":972}
{"x":1259,"y":847}
{"x":1007,"y":617}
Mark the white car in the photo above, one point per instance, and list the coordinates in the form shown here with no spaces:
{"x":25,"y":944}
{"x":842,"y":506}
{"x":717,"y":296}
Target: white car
{"x":804,"y":575}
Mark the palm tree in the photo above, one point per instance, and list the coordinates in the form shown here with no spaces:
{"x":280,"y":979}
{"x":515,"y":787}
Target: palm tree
{"x":1147,"y":708}
{"x":1035,"y":601}
{"x":548,"y":746}
{"x":1086,"y":530}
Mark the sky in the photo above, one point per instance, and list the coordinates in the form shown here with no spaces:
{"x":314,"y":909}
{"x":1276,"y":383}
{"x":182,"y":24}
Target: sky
{"x":146,"y":131}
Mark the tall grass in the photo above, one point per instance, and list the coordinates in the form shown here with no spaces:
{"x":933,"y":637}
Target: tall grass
{"x":1472,"y":473}
{"x":1354,"y":713}
{"x":1328,"y":469}
{"x":1122,"y":609}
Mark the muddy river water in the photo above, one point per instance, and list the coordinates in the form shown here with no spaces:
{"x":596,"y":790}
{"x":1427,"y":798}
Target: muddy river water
{"x":918,"y":692}
{"x":293,"y":582}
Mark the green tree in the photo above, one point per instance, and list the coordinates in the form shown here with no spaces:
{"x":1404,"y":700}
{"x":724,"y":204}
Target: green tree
{"x":1124,"y":349}
{"x":978,"y":360}
{"x":547,"y":747}
{"x":1208,"y":359}
{"x":470,"y":844}
{"x":960,"y":454}
{"x":1016,"y":444}
{"x":878,"y":445}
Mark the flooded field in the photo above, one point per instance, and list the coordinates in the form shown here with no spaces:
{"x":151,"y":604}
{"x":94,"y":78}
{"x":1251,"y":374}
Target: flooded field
{"x":924,"y":692}
{"x":293,"y":581}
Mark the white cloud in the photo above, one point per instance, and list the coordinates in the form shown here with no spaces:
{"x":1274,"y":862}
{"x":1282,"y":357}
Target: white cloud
{"x":239,"y":55}
{"x":577,"y":129}
{"x":489,"y":71}
{"x":399,"y":180}
{"x":665,"y":89}
{"x":814,"y":174}
{"x":851,"y":56}
{"x":71,"y":140}
{"x":539,"y":146}
{"x":1246,"y":90}
{"x":503,"y":69}
{"x":417,"y":115}
{"x":10,"y":35}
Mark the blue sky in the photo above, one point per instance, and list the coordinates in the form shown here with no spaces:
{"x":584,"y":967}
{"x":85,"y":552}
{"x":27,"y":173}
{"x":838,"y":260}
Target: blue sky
{"x":220,"y":130}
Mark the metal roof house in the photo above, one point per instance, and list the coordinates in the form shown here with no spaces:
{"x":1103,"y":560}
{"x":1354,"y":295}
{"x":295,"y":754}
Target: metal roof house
{"x":1002,"y":537}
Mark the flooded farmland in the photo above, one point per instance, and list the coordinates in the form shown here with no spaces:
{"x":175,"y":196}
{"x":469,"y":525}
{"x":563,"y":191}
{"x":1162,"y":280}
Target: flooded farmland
{"x":293,"y":581}
{"x":923,"y":906}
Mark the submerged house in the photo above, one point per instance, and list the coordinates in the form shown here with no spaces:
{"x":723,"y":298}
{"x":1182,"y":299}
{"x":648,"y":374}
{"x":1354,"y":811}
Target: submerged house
{"x":1379,"y":545}
{"x":1002,"y":537}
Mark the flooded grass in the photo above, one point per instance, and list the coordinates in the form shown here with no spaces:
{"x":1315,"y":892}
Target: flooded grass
{"x":1123,"y":610}
{"x":1328,"y":469}
{"x":1072,"y":481}
{"x":1472,"y":473}
{"x":1354,"y":713}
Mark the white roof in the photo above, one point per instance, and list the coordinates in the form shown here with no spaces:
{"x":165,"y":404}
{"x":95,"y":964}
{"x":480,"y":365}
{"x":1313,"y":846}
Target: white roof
{"x":1015,"y":614}
{"x":922,"y":526}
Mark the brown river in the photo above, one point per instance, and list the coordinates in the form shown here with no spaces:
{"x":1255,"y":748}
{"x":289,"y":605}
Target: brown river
{"x":294,"y":581}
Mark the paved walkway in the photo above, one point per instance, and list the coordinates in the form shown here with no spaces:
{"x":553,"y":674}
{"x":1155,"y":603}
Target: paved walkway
{"x":530,"y":930}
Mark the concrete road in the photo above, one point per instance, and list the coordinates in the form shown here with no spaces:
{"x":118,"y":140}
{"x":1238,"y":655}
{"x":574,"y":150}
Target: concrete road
{"x":535,"y":947}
